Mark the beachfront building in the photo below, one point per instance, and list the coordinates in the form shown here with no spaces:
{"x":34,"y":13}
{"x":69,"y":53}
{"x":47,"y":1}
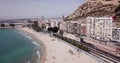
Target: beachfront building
{"x":116,"y":25}
{"x":11,"y":24}
{"x":4,"y":25}
{"x":99,"y":28}
{"x":116,"y":30}
{"x":69,"y":26}
{"x":103,"y":29}
{"x":90,"y":26}
{"x":55,"y":22}
{"x":72,"y":27}
{"x":50,"y":22}
{"x":42,"y":24}
{"x":63,"y":25}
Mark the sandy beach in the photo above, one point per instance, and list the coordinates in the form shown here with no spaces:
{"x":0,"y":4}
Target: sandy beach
{"x":58,"y":51}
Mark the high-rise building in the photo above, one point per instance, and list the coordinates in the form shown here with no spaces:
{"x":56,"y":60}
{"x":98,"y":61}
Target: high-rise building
{"x":99,"y":28}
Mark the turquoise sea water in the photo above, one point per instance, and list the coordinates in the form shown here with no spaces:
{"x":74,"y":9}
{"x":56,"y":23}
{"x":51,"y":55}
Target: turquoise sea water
{"x":15,"y":47}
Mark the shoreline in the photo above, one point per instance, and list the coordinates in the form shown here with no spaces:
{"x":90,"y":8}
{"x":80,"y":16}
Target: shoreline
{"x":38,"y":41}
{"x":57,"y":51}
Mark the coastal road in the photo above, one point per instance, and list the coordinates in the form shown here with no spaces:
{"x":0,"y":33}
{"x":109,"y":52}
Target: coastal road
{"x":94,"y":50}
{"x":110,"y":58}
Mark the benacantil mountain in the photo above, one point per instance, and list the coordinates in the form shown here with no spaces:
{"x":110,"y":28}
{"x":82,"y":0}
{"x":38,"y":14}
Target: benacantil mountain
{"x":95,"y":8}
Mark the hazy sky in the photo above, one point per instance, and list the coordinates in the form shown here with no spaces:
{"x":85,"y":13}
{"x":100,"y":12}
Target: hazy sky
{"x":37,"y":8}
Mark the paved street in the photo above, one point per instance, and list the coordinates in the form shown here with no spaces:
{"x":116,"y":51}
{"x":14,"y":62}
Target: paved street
{"x":94,"y":42}
{"x":97,"y":51}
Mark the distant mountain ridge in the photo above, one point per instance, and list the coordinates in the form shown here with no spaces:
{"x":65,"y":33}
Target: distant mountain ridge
{"x":94,"y":8}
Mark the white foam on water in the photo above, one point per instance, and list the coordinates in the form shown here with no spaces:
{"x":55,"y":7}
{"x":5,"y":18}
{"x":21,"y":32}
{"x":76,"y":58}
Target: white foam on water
{"x":35,"y":43}
{"x":28,"y":37}
{"x":27,"y":62}
{"x":38,"y":54}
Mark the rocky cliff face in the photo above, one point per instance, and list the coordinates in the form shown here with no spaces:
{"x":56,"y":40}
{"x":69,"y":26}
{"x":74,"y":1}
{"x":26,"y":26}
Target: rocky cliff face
{"x":94,"y":8}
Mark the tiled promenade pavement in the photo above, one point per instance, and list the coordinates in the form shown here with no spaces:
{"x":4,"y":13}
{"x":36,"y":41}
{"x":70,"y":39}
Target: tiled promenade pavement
{"x":97,"y":43}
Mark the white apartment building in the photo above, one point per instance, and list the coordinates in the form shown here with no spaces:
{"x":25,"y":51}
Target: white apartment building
{"x":99,"y":28}
{"x":50,"y":22}
{"x":90,"y":26}
{"x":63,"y":25}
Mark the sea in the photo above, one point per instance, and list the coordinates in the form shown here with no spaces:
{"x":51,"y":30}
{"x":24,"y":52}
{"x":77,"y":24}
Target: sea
{"x":17,"y":47}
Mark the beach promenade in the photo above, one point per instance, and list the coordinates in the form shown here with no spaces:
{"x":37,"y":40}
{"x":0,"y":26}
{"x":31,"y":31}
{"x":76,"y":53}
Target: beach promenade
{"x":58,"y":51}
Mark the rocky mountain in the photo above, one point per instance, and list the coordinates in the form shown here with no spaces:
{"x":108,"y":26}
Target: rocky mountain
{"x":94,"y":8}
